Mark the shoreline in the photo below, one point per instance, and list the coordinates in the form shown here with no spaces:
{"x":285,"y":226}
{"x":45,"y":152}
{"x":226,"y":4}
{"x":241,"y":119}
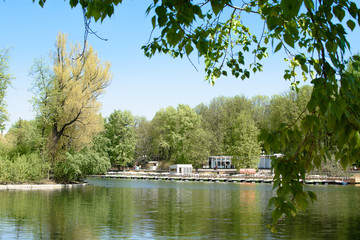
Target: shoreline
{"x":39,"y":186}
{"x":315,"y":180}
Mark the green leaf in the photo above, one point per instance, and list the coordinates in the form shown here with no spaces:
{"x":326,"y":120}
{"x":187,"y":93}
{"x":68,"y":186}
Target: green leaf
{"x":153,"y":21}
{"x":289,"y":39}
{"x":351,"y":24}
{"x":202,"y":46}
{"x":291,"y":8}
{"x":312,"y":104}
{"x":278,"y":47}
{"x":306,"y":124}
{"x":216,"y":6}
{"x":41,"y":2}
{"x":309,"y":4}
{"x":272,"y":22}
{"x":197,"y":9}
{"x":272,"y":202}
{"x":301,"y":200}
{"x":335,"y":109}
{"x":344,"y":161}
{"x":162,"y":18}
{"x":357,"y":139}
{"x":73,"y":3}
{"x":317,"y":161}
{"x":188,"y":49}
{"x":356,"y":58}
{"x":312,"y":196}
{"x":353,"y":9}
{"x":276,"y":214}
{"x":339,"y":12}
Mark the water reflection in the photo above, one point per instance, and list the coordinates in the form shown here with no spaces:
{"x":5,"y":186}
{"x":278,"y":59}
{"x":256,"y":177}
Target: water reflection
{"x":137,"y":209}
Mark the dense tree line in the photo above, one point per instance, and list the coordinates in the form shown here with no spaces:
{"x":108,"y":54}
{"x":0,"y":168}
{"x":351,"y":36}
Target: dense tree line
{"x":225,"y":126}
{"x":69,"y":138}
{"x":43,"y":147}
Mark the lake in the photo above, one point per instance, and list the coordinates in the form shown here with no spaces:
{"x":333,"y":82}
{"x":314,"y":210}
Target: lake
{"x":140,"y":209}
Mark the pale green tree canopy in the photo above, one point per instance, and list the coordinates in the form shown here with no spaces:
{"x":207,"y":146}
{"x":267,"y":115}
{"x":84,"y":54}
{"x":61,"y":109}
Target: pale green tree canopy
{"x":5,"y":80}
{"x":66,"y":100}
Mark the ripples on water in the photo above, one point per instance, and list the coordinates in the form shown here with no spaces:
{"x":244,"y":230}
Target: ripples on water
{"x":139,"y":209}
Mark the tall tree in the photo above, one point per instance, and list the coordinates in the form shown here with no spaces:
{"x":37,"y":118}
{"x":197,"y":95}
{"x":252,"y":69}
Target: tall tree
{"x":260,"y":109}
{"x":245,"y":147}
{"x":144,"y":146}
{"x":191,"y":140}
{"x":5,"y":80}
{"x":218,"y":119}
{"x":67,"y":97}
{"x":120,"y":138}
{"x":180,"y":137}
{"x":213,"y":124}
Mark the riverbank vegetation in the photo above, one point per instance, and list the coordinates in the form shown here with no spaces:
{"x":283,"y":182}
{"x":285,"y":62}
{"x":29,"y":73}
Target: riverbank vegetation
{"x":65,"y":143}
{"x":69,"y":139}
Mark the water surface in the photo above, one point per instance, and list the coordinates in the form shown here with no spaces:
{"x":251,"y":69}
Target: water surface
{"x":140,"y":209}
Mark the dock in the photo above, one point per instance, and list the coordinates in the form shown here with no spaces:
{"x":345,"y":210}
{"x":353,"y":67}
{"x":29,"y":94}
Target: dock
{"x":239,"y":178}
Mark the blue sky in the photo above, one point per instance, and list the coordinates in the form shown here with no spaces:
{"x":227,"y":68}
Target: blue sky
{"x":139,"y":84}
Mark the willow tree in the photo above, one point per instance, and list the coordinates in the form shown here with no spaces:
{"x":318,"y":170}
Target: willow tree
{"x":67,"y":96}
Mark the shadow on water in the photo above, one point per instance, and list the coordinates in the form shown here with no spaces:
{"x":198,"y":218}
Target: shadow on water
{"x":139,"y":209}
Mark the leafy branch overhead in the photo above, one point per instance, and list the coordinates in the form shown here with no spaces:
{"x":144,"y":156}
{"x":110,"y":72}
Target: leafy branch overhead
{"x":314,"y":36}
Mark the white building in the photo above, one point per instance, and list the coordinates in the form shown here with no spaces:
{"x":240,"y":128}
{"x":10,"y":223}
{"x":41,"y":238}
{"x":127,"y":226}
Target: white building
{"x":180,"y":169}
{"x":220,"y":162}
{"x":224,"y":162}
{"x":153,"y":165}
{"x":265,"y":160}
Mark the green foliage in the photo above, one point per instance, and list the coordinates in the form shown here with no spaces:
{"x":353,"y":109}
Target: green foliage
{"x":25,"y":138}
{"x":179,"y":137}
{"x":144,"y":138}
{"x":5,"y":80}
{"x":222,"y":120}
{"x":77,"y":165}
{"x":93,"y":162}
{"x":260,"y":110}
{"x":245,"y":147}
{"x":69,"y":170}
{"x":66,"y":97}
{"x":212,"y":117}
{"x":20,"y":158}
{"x":96,"y":9}
{"x":23,"y":168}
{"x":118,"y":138}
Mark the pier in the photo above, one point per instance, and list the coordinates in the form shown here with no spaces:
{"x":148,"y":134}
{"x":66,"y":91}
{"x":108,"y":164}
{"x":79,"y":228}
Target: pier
{"x":239,"y":178}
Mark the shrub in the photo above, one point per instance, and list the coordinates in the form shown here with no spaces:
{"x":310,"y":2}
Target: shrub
{"x":77,"y":165}
{"x":23,"y":168}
